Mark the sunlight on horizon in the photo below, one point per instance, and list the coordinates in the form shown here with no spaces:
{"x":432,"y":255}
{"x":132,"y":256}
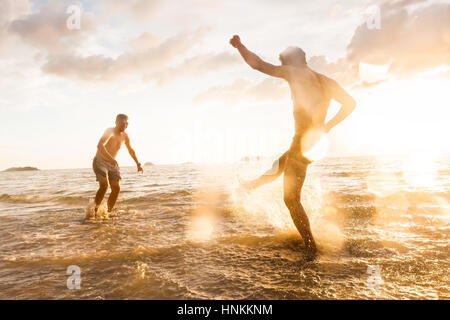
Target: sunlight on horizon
{"x":420,"y":170}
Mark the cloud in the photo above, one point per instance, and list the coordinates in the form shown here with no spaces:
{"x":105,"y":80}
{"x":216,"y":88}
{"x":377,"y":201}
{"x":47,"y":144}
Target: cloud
{"x":242,"y":89}
{"x":140,"y":9}
{"x":197,"y":65}
{"x":148,"y":62}
{"x":9,"y":11}
{"x":344,"y":70}
{"x":47,"y":29}
{"x":144,"y":42}
{"x":148,"y":55}
{"x":413,"y":36}
{"x":409,"y":41}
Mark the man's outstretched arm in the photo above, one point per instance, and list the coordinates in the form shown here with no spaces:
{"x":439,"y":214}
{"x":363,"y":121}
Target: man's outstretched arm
{"x":256,"y":62}
{"x":133,"y":154}
{"x":347,"y":107}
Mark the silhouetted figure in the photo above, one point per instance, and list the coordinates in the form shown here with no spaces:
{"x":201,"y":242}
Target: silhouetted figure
{"x":311,"y":93}
{"x":105,"y":165}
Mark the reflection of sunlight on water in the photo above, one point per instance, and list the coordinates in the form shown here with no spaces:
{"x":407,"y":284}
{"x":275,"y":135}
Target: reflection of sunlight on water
{"x":420,"y":170}
{"x":201,"y":228}
{"x":203,"y":221}
{"x":391,"y":210}
{"x":407,"y":200}
{"x":441,"y":216}
{"x":322,"y":216}
{"x":382,"y":184}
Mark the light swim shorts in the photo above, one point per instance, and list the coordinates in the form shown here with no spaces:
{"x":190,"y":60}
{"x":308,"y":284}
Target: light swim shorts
{"x":102,"y":168}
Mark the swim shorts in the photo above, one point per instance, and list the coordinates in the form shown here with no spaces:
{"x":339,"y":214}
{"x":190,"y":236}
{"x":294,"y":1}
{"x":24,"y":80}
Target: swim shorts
{"x":102,"y":168}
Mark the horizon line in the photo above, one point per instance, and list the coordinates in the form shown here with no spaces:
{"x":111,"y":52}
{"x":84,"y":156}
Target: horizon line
{"x":217,"y":163}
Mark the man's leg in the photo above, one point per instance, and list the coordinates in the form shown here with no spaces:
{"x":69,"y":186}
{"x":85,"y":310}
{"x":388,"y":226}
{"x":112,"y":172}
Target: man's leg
{"x":115,"y":189}
{"x":103,"y":187}
{"x":270,"y":175}
{"x":294,"y":177}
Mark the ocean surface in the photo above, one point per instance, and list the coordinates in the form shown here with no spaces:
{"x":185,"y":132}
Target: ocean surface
{"x":189,"y":232}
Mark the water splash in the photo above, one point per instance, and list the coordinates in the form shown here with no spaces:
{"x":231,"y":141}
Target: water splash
{"x":100,"y":214}
{"x":141,"y":269}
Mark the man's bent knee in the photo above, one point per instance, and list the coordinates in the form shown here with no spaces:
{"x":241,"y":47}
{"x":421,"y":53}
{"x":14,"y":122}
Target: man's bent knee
{"x":103,"y":185}
{"x":115,"y":187}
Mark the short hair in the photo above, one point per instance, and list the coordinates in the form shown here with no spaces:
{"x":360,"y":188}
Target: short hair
{"x":121,"y":116}
{"x":293,"y":56}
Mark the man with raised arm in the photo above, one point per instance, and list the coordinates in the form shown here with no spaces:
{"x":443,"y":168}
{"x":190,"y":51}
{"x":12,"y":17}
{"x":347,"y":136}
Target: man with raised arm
{"x":105,"y":165}
{"x":311,"y":93}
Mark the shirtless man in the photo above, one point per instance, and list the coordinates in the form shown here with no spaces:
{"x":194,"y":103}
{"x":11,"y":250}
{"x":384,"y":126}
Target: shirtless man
{"x":105,"y":165}
{"x":311,"y":93}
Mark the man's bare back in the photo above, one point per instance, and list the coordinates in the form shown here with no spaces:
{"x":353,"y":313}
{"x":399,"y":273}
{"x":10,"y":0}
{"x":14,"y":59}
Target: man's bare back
{"x":311,"y":93}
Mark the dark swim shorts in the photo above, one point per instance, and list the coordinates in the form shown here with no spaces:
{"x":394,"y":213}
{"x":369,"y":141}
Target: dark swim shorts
{"x":102,"y":168}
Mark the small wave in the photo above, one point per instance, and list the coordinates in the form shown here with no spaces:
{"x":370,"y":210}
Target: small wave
{"x":355,"y":199}
{"x":158,"y":197}
{"x":29,"y":199}
{"x":84,"y":200}
{"x":353,"y":173}
{"x":285,"y":238}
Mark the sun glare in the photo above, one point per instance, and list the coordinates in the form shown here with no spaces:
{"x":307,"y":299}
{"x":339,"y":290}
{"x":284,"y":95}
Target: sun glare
{"x":402,"y":116}
{"x":372,"y":73}
{"x":201,"y":229}
{"x":419,"y":170}
{"x":316,"y":143}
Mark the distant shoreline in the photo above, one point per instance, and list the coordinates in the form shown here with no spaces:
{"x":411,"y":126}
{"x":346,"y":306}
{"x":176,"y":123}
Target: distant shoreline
{"x":14,"y":169}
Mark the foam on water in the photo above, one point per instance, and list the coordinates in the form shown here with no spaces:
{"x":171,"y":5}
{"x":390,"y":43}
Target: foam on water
{"x":100,"y":214}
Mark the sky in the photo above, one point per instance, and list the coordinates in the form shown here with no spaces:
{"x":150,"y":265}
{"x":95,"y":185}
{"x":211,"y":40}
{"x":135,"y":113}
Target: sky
{"x":189,"y":95}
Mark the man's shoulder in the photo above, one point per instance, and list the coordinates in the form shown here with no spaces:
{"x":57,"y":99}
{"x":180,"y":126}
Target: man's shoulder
{"x":108,"y":132}
{"x":323,"y":77}
{"x":328,"y":82}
